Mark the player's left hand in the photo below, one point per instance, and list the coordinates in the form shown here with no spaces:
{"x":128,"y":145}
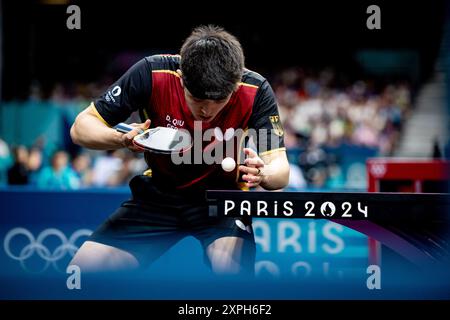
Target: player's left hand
{"x":253,"y":168}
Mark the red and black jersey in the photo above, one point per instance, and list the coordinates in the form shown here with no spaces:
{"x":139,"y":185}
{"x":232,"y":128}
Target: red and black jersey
{"x":153,"y":87}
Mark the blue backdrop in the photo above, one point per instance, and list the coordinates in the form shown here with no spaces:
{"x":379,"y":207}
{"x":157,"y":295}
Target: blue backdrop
{"x":41,"y":230}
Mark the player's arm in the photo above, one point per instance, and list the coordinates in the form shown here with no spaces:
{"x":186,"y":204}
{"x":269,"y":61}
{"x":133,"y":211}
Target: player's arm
{"x":90,"y":131}
{"x":93,"y":126}
{"x":275,"y":172}
{"x":268,"y":168}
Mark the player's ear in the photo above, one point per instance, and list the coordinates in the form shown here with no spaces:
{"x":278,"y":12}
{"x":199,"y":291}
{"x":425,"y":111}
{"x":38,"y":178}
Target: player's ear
{"x":181,"y":77}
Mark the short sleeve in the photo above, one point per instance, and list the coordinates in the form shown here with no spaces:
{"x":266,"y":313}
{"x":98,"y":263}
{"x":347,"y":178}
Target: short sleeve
{"x":131,"y":92}
{"x":265,"y":120}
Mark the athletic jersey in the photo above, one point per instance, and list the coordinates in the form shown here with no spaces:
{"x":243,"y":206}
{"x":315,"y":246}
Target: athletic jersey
{"x":153,"y":88}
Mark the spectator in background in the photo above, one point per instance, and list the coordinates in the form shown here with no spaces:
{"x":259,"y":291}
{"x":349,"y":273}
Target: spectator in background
{"x":321,"y":111}
{"x":34,"y":164}
{"x":108,"y":169}
{"x":18,"y":173}
{"x":81,"y":166}
{"x":5,"y":161}
{"x":59,"y":175}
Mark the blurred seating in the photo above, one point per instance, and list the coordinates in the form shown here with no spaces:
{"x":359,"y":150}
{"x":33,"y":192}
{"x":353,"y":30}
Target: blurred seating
{"x":331,"y":127}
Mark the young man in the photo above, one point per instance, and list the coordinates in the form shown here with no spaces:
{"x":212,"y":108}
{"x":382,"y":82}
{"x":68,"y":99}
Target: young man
{"x":207,"y":82}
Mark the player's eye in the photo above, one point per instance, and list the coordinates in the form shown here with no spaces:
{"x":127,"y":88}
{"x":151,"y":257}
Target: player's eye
{"x":197,"y":100}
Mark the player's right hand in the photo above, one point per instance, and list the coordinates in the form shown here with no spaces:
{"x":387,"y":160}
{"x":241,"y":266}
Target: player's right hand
{"x":127,"y":138}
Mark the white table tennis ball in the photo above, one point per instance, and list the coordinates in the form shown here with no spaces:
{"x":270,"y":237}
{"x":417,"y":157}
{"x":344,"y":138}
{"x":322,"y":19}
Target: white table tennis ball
{"x":228,"y":164}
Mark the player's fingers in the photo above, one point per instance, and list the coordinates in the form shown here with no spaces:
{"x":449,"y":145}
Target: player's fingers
{"x":250,"y":153}
{"x":135,"y":148}
{"x":144,"y":126}
{"x":252,"y":184}
{"x":141,"y":127}
{"x":251,"y":178}
{"x":137,"y":130}
{"x":256,"y":162}
{"x":249,"y":170}
{"x":127,"y":139}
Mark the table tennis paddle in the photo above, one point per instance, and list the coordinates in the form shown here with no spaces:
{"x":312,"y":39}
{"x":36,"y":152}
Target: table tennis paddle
{"x":160,"y":139}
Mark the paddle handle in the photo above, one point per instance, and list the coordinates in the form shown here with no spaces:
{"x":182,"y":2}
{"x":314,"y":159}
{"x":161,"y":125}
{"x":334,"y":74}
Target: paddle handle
{"x":125,"y":127}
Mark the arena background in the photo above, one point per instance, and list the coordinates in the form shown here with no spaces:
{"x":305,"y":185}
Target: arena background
{"x":346,"y":94}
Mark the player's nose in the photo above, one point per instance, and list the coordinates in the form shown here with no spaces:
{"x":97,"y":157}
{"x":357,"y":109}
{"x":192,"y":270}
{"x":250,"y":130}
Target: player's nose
{"x":204,"y":112}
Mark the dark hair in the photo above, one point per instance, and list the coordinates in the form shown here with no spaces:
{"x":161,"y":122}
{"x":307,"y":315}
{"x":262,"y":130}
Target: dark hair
{"x":212,"y":62}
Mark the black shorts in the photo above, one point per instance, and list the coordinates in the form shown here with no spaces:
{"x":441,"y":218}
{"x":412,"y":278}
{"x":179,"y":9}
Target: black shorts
{"x":153,"y":221}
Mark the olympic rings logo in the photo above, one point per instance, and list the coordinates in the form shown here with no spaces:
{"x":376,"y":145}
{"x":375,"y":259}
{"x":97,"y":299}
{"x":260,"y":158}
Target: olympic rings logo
{"x":36,"y":246}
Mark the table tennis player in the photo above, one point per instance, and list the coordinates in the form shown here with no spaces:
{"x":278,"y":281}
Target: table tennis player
{"x":207,"y":82}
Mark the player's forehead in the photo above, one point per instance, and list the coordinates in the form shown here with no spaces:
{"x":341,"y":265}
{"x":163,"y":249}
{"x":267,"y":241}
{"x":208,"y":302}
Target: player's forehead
{"x":191,"y":96}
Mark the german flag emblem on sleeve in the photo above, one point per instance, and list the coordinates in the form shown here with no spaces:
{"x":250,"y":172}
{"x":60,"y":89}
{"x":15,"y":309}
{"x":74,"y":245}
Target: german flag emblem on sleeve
{"x":276,"y":124}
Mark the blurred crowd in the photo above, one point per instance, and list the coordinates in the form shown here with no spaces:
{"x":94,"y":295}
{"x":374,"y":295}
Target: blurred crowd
{"x":317,"y":111}
{"x":319,"y":114}
{"x":322,"y":113}
{"x":62,"y":171}
{"x":70,"y":168}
